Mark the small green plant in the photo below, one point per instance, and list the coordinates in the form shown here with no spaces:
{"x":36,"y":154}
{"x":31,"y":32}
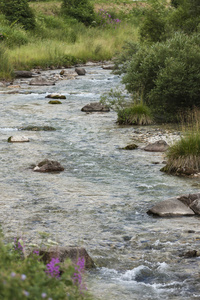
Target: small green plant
{"x":6,"y":71}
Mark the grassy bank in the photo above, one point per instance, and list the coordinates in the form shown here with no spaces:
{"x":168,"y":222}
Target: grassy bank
{"x":58,"y":40}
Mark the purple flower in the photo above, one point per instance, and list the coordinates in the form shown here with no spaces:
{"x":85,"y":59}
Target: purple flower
{"x":53,"y":269}
{"x":43,"y":295}
{"x":77,"y":277}
{"x":26,"y":293}
{"x":36,"y":252}
{"x":13,"y":274}
{"x":23,"y":277}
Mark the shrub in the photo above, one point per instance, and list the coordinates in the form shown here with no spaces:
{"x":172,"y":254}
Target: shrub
{"x":153,"y":28}
{"x":81,"y":10}
{"x":168,"y":75}
{"x":18,"y":11}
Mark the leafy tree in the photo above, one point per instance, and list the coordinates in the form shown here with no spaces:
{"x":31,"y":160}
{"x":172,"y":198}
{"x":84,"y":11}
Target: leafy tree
{"x":168,"y":75}
{"x":81,"y":10}
{"x":18,"y":11}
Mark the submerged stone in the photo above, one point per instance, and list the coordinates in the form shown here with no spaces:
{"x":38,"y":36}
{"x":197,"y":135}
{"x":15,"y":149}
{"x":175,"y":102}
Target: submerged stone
{"x":48,"y":166}
{"x":130,"y":147}
{"x":55,"y":102}
{"x":80,"y":71}
{"x":38,"y":128}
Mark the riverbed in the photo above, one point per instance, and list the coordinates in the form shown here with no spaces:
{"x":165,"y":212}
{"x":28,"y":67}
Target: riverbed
{"x":100,"y":200}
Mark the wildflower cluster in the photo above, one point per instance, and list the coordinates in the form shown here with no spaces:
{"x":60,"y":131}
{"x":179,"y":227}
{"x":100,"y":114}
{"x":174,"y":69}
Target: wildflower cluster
{"x":78,"y":275}
{"x":53,"y":269}
{"x":106,"y":20}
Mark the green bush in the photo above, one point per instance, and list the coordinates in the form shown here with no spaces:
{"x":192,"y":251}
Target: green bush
{"x":81,"y":10}
{"x":154,"y":25}
{"x":18,"y":11}
{"x":168,"y":75}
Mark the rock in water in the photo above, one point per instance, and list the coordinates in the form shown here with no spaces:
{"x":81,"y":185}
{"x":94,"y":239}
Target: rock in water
{"x":67,"y":252}
{"x":80,"y":71}
{"x":48,"y":166}
{"x":158,"y":146}
{"x":18,"y":139}
{"x":95,"y":107}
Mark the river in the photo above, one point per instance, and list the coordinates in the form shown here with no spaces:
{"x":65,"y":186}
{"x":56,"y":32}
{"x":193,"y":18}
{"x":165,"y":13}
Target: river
{"x":100,"y":200}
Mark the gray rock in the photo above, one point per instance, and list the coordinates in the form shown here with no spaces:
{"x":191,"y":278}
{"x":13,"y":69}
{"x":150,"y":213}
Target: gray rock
{"x":23,"y":74}
{"x":48,"y":166}
{"x":158,"y":146}
{"x":56,"y":96}
{"x":41,"y":81}
{"x":18,"y":139}
{"x":2,"y":84}
{"x":67,"y":252}
{"x":80,"y":71}
{"x":171,"y":208}
{"x":95,"y":107}
{"x":108,"y":67}
{"x":195,"y":206}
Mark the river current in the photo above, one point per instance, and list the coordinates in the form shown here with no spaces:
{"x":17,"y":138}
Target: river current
{"x":100,"y":200}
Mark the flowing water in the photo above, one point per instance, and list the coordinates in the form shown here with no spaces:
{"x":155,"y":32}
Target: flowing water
{"x":100,"y":200}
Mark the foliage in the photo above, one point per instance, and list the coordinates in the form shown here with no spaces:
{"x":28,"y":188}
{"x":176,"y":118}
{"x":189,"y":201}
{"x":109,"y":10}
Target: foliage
{"x":18,"y":11}
{"x":168,"y":75}
{"x":186,"y":17}
{"x":154,"y":25}
{"x":81,"y":10}
{"x":106,"y":19}
{"x":25,"y":276}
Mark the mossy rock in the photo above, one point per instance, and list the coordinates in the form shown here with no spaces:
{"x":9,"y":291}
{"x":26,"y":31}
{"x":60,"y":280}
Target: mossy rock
{"x":55,"y":102}
{"x":131,"y":147}
{"x":38,"y":128}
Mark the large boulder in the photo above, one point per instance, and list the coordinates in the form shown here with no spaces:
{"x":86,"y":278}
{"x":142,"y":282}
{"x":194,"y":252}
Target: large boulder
{"x":67,"y":252}
{"x":185,"y":205}
{"x":80,"y":71}
{"x":18,"y":139}
{"x":48,"y":166}
{"x":41,"y":81}
{"x":95,"y":107}
{"x":158,"y":146}
{"x":23,"y":74}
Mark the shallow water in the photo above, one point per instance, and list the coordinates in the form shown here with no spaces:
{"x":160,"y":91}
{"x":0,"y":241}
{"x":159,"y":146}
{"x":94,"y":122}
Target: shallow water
{"x":100,"y":200}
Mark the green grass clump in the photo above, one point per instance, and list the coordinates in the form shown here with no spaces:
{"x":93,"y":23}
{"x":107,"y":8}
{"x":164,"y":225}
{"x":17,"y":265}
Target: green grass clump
{"x":184,"y":156}
{"x":138,"y":114}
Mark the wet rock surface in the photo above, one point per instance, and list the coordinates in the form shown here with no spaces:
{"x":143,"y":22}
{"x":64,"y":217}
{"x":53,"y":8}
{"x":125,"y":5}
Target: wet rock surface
{"x":48,"y":166}
{"x":95,"y":107}
{"x":158,"y":146}
{"x":37,"y":128}
{"x":67,"y":252}
{"x":18,"y":139}
{"x":185,"y":205}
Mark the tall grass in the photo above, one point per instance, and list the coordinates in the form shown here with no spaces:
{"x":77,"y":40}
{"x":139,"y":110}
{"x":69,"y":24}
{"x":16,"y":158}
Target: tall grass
{"x":6,"y":70}
{"x":184,"y":156}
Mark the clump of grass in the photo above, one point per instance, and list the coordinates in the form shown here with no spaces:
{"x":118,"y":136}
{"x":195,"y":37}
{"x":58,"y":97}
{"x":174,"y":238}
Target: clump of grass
{"x":6,"y":71}
{"x":138,"y":114}
{"x":184,"y":156}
